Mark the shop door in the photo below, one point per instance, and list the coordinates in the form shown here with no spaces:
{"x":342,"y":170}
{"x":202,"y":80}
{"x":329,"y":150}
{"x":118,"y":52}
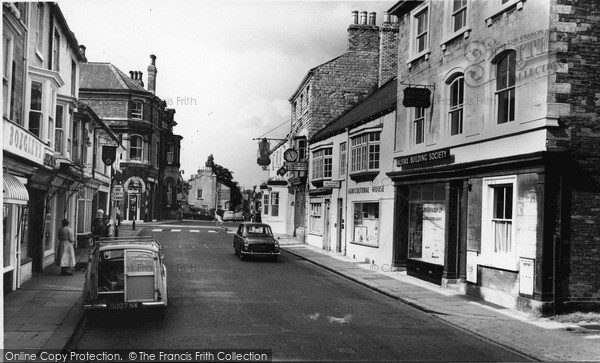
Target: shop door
{"x":340,"y":225}
{"x":133,"y":207}
{"x":326,"y":233}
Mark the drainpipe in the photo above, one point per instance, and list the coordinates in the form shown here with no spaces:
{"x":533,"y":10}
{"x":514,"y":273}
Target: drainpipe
{"x":346,"y":198}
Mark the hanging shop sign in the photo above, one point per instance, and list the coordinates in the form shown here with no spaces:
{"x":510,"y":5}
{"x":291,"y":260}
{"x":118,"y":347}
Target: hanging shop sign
{"x":109,"y":154}
{"x":264,"y":148}
{"x":417,"y":97}
{"x":281,"y":171}
{"x":435,"y":157}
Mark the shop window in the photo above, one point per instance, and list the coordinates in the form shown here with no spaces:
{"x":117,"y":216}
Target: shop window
{"x":505,"y":87}
{"x":455,"y":112}
{"x":315,"y":219}
{"x":322,"y":164}
{"x":426,"y":223}
{"x":366,"y":223}
{"x":365,"y":152}
{"x":275,"y":204}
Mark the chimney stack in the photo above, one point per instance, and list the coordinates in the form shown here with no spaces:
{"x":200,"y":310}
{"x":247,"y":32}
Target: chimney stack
{"x":82,"y":52}
{"x":363,"y":36}
{"x":388,"y":48}
{"x":152,"y":74}
{"x":137,"y":77}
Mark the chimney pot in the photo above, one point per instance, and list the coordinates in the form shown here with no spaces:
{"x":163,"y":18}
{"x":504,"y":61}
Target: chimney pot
{"x":355,"y":17}
{"x":363,"y":17}
{"x":82,"y":50}
{"x":131,"y":75}
{"x":372,"y":17}
{"x":152,"y":74}
{"x":152,"y":59}
{"x":386,"y":17}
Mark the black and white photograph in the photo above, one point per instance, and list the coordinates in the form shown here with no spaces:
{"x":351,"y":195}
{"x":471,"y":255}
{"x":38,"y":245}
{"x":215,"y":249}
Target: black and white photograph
{"x":301,"y":180}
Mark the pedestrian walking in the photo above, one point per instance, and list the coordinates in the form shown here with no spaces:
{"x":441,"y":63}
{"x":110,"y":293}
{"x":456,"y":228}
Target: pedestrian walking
{"x":66,"y":251}
{"x":219,"y":221}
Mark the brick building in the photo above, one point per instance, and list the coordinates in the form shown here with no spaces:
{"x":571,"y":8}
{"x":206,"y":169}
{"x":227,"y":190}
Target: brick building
{"x":149,"y":169}
{"x":497,"y":180}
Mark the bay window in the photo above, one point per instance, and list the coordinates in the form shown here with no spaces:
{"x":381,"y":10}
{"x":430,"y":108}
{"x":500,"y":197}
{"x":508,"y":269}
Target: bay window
{"x":136,"y":148}
{"x":35,"y":108}
{"x":322,"y":164}
{"x":365,"y":152}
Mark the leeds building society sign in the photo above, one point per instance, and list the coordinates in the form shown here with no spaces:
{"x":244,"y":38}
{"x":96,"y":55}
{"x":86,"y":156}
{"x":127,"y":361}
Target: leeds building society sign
{"x":436,"y":157}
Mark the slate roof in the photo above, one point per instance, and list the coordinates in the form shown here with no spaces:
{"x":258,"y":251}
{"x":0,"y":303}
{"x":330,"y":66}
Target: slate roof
{"x":379,"y":103}
{"x":105,"y":76}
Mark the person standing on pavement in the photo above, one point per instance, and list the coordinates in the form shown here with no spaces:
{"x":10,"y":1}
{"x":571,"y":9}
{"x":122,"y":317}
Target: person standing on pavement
{"x":99,"y":227}
{"x":219,"y":221}
{"x":66,"y":239}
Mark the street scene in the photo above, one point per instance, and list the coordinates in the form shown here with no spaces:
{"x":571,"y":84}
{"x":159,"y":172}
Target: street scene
{"x":301,"y":181}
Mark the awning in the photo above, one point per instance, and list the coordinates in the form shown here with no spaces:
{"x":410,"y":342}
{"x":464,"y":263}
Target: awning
{"x":14,"y":191}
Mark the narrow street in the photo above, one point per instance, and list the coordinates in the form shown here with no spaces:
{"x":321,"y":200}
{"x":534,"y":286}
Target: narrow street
{"x":300,"y":311}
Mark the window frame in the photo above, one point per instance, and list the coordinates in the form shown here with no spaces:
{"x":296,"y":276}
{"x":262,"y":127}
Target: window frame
{"x":39,"y":112}
{"x":275,"y":204}
{"x":39,"y":30}
{"x":199,"y":194}
{"x":457,"y":79}
{"x":342,"y":160}
{"x":363,"y":155}
{"x":506,"y":260}
{"x":56,"y":50}
{"x":363,"y":210}
{"x":170,"y":153}
{"x":266,"y":204}
{"x":510,"y":89}
{"x":315,"y":219}
{"x":59,"y":124}
{"x":7,"y":74}
{"x":322,"y":163}
{"x":414,"y":52}
{"x":418,"y":124}
{"x":140,"y":148}
{"x":135,"y":113}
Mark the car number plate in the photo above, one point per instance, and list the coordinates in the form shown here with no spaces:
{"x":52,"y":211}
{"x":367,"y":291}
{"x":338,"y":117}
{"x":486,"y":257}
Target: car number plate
{"x":123,"y":305}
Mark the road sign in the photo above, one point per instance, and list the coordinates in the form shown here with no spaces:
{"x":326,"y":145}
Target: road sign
{"x":300,"y":166}
{"x":117,"y":193}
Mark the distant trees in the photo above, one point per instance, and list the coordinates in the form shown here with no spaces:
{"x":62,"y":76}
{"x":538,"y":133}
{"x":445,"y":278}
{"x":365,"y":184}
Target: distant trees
{"x":225,"y":177}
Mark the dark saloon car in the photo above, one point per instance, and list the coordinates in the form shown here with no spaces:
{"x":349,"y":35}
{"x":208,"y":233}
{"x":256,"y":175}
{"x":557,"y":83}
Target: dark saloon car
{"x":255,"y":239}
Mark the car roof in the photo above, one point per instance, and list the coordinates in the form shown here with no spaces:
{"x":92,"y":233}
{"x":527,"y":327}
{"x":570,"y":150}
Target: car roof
{"x":149,"y":245}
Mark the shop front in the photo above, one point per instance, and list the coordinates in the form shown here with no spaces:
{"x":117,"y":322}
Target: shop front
{"x":15,"y":199}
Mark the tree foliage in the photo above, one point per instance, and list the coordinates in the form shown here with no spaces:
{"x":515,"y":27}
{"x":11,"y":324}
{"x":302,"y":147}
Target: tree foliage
{"x":225,"y":177}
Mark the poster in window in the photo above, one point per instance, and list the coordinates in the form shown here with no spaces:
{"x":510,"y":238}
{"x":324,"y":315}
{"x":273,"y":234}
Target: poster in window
{"x":526,"y":275}
{"x":434,"y":220}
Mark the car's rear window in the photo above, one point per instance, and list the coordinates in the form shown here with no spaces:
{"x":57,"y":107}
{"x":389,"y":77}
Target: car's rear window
{"x":259,"y":231}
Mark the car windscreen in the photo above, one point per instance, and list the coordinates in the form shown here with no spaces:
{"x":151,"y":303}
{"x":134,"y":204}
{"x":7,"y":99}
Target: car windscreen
{"x":259,"y":231}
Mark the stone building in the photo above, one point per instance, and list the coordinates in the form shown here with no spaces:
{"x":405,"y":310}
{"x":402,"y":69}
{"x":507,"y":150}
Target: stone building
{"x":496,"y":179}
{"x":149,"y":169}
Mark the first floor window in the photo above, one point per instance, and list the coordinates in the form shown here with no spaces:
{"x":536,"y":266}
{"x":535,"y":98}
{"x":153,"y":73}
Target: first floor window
{"x":7,"y":71}
{"x":419,"y":125}
{"x":365,"y":152}
{"x":199,"y":194}
{"x":505,"y":87}
{"x":322,"y":164}
{"x":366,"y":223}
{"x":136,"y":148}
{"x":343,"y":154}
{"x":35,"y":108}
{"x":275,"y":204}
{"x":170,"y":153}
{"x":459,"y":15}
{"x":315,"y":219}
{"x":455,"y":113}
{"x":137,"y":110}
{"x":59,"y":132}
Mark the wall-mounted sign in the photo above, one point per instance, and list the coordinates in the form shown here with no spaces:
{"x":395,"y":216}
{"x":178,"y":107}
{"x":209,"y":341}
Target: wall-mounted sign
{"x":526,"y":276}
{"x":417,"y":97}
{"x":117,"y":195}
{"x":299,"y":166}
{"x":472,"y":266}
{"x":281,"y":171}
{"x":109,"y":154}
{"x":22,"y":143}
{"x":331,"y":184}
{"x":435,"y":157}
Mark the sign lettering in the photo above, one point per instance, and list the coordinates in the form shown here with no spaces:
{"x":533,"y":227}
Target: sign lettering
{"x":438,"y":156}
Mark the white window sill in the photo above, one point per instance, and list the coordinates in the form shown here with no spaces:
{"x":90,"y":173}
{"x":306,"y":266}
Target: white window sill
{"x":464,"y":32}
{"x":39,"y":55}
{"x":424,"y":54}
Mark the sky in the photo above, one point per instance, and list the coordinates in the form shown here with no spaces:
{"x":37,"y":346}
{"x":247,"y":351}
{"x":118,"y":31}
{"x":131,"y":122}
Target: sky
{"x":228,"y":68}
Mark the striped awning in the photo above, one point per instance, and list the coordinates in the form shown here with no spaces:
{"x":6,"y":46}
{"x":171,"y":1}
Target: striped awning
{"x":14,"y":191}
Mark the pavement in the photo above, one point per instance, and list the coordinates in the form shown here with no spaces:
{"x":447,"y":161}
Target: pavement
{"x":45,"y":312}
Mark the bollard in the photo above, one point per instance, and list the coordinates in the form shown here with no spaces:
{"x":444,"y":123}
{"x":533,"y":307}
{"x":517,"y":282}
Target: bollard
{"x":116,"y":231}
{"x":133,"y":225}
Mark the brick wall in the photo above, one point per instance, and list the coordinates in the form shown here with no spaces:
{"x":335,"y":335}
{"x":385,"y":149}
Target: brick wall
{"x":575,"y":34}
{"x":388,"y":57}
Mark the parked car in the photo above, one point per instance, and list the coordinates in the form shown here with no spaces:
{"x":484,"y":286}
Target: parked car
{"x":126,"y":274}
{"x":255,"y":239}
{"x":229,"y":216}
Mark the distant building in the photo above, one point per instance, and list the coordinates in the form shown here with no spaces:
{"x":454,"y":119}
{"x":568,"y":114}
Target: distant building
{"x":206,"y":194}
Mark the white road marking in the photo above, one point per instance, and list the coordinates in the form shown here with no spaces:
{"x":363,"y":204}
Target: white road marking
{"x":157,"y":230}
{"x":176,"y":230}
{"x":194,"y":231}
{"x":212,"y":231}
